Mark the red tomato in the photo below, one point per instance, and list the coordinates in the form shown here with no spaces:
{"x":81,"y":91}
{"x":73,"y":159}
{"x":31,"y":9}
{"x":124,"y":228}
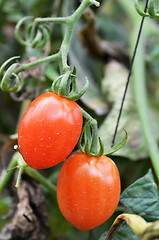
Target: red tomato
{"x":88,"y":190}
{"x":49,"y":130}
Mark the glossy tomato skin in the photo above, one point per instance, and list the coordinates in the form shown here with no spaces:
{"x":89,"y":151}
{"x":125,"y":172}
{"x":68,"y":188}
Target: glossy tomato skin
{"x":49,"y":130}
{"x":88,"y":190}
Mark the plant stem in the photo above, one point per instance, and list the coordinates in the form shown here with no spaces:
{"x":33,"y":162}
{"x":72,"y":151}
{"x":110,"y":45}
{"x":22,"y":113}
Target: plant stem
{"x":52,"y":20}
{"x":63,"y":52}
{"x":20,"y":172}
{"x":9,"y":174}
{"x":24,"y":67}
{"x":128,"y":78}
{"x":71,"y":20}
{"x":86,"y":115}
{"x":142,"y":105}
{"x":38,"y":177}
{"x":94,"y":145}
{"x":31,"y":172}
{"x":80,"y":10}
{"x":140,"y":88}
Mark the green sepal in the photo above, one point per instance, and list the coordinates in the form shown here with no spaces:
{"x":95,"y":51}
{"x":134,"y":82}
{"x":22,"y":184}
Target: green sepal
{"x":86,"y":149}
{"x":65,"y":86}
{"x":17,"y":29}
{"x":140,"y":12}
{"x":77,"y":96}
{"x":151,"y":12}
{"x":87,"y":144}
{"x":151,"y":9}
{"x":6,"y":83}
{"x":36,"y":36}
{"x":117,"y":146}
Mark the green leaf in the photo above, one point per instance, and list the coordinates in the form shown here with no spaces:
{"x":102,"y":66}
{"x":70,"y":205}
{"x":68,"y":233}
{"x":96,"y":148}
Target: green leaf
{"x":142,"y":198}
{"x":123,"y":233}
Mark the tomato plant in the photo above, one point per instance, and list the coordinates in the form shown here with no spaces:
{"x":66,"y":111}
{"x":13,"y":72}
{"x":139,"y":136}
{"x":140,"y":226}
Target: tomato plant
{"x":88,"y":190}
{"x":49,"y":130}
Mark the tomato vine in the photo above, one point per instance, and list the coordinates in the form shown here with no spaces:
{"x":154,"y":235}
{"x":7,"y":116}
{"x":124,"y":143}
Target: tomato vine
{"x":54,"y":124}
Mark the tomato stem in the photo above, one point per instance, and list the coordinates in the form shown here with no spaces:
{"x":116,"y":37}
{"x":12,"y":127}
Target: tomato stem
{"x":94,"y":145}
{"x":18,"y":162}
{"x":21,"y":169}
{"x":6,"y":176}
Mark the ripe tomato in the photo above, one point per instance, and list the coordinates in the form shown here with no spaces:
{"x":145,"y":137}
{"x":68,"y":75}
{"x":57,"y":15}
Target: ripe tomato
{"x":49,"y":130}
{"x":88,"y":190}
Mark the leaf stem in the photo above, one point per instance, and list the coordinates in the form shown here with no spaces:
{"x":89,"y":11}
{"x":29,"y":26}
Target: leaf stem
{"x":71,"y":21}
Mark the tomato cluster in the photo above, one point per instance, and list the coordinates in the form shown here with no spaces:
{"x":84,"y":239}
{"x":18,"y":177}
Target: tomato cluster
{"x":88,"y":188}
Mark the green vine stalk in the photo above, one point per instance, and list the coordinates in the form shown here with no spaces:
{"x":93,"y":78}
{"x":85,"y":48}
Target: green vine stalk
{"x":139,"y":79}
{"x":18,"y":162}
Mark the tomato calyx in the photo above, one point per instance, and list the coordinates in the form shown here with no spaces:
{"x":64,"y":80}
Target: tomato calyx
{"x":118,"y":146}
{"x":65,"y":86}
{"x":89,"y":141}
